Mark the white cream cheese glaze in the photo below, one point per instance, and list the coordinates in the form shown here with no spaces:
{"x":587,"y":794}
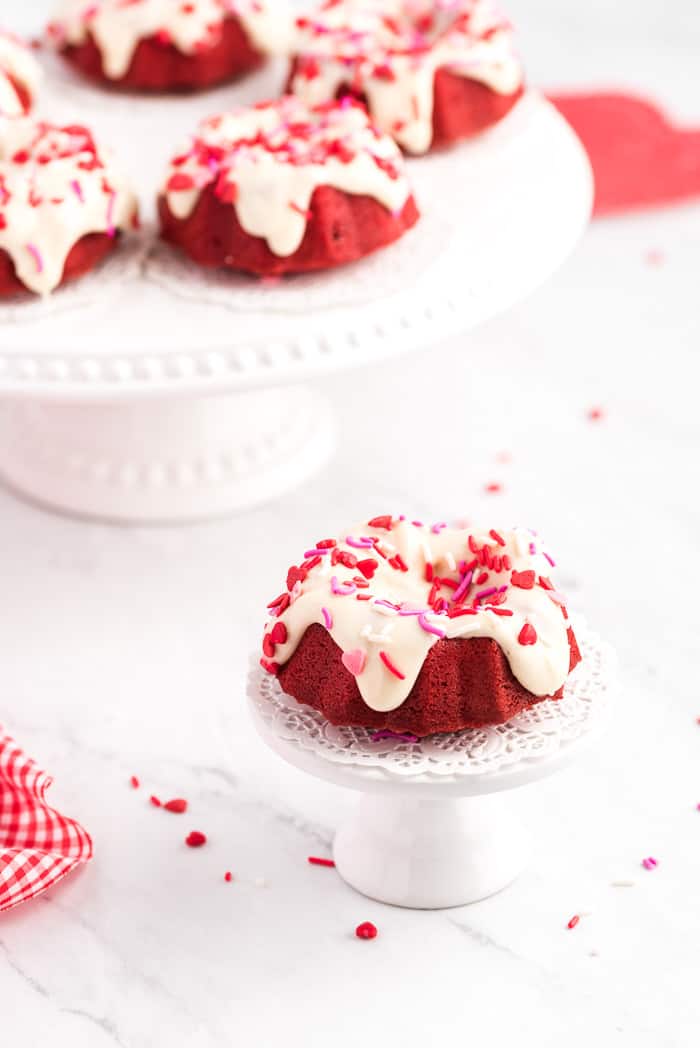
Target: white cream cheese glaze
{"x":390,"y":50}
{"x":16,"y":63}
{"x":117,"y":26}
{"x":56,"y":186}
{"x":267,"y":162}
{"x":497,"y":587}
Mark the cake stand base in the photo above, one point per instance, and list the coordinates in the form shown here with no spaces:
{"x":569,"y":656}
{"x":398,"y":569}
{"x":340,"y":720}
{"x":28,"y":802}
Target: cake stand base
{"x":428,"y":854}
{"x":165,"y":459}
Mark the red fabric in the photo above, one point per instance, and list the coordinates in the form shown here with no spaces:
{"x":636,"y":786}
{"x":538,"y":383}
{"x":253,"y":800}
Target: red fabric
{"x":640,"y":159}
{"x":342,"y":228}
{"x":84,"y":256}
{"x":463,"y":684}
{"x":158,"y":66}
{"x":38,"y":845}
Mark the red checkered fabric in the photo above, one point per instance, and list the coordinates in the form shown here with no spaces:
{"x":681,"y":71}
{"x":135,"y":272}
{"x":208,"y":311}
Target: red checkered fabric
{"x":38,"y":846}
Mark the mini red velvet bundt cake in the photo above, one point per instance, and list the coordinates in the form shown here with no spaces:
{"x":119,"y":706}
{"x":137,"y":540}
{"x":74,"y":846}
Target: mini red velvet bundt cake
{"x":281,"y":188}
{"x":167,"y":45}
{"x":20,"y":76}
{"x":429,"y":72}
{"x":62,"y":204}
{"x":417,"y":629}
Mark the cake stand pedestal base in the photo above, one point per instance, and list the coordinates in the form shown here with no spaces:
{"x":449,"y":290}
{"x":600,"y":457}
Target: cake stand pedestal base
{"x":431,"y":854}
{"x":169,"y":459}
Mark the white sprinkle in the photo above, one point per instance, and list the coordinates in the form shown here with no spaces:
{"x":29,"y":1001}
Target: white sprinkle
{"x":622,"y":884}
{"x":450,"y":561}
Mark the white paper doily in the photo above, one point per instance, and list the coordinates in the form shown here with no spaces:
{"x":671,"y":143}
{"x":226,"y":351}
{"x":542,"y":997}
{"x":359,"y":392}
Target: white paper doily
{"x":535,"y":736}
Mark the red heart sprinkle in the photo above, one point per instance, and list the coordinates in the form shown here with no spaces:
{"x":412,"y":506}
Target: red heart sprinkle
{"x":523,"y":579}
{"x":367,"y":567}
{"x":294,"y":575}
{"x":381,"y":522}
{"x":527,"y":635}
{"x":366,"y":931}
{"x":195,"y":839}
{"x":279,"y":633}
{"x":179,"y":182}
{"x":268,"y":646}
{"x":177,"y":806}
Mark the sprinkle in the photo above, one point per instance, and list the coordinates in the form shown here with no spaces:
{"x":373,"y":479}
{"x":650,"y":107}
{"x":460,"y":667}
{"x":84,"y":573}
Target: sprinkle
{"x":523,"y":579}
{"x":483,"y":594}
{"x":386,"y":733}
{"x":463,"y":586}
{"x":574,"y":921}
{"x":493,"y":488}
{"x":228,"y":876}
{"x":316,"y":861}
{"x":527,"y":635}
{"x":364,"y":543}
{"x":650,"y":863}
{"x":177,"y":806}
{"x":327,"y":618}
{"x":155,"y":801}
{"x":428,"y":627}
{"x":36,"y":255}
{"x":622,"y":884}
{"x":595,"y":414}
{"x":381,"y":522}
{"x":497,"y":538}
{"x":390,"y":666}
{"x":437,"y":528}
{"x":195,"y":839}
{"x":134,"y":780}
{"x":346,"y":589}
{"x":315,"y":553}
{"x":549,"y":559}
{"x":78,"y":190}
{"x":366,"y":931}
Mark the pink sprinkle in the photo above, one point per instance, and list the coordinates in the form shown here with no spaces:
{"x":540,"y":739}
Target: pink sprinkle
{"x":36,"y":255}
{"x":595,"y":414}
{"x":649,"y":863}
{"x":345,"y":589}
{"x":428,"y":627}
{"x":315,"y":553}
{"x":463,"y":586}
{"x":359,"y":543}
{"x":549,"y":559}
{"x":327,"y":618}
{"x":380,"y":736}
{"x":483,"y":594}
{"x":78,"y":190}
{"x":437,"y":528}
{"x":111,"y":230}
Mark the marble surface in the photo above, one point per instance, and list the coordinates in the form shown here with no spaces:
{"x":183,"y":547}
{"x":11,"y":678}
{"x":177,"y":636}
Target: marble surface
{"x":124,"y":652}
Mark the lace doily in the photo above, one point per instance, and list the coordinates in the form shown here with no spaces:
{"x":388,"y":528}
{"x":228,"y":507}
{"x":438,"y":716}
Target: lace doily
{"x":539,"y":733}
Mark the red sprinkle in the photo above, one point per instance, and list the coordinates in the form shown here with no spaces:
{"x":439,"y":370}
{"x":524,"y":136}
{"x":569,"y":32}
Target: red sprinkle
{"x":523,"y":579}
{"x":177,"y":806}
{"x":595,"y":414}
{"x":156,"y":802}
{"x":195,"y":839}
{"x":493,"y":488}
{"x":390,"y":666}
{"x":574,"y":921}
{"x":497,"y":538}
{"x":134,"y":780}
{"x":381,"y":522}
{"x":366,"y":931}
{"x":316,"y":861}
{"x":527,"y":635}
{"x":228,"y":876}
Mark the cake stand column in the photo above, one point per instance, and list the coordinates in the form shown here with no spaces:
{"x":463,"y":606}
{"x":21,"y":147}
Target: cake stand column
{"x":431,"y":854}
{"x":164,"y":459}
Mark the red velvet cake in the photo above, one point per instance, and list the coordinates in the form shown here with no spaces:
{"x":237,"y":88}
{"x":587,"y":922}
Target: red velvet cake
{"x":20,"y":76}
{"x":429,"y":72}
{"x":167,"y":45}
{"x":62,"y":205}
{"x":421,"y":629}
{"x":281,"y":188}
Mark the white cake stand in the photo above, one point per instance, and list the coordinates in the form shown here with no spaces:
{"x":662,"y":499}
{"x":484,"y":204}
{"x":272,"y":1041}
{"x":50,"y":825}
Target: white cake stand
{"x":434,"y":828}
{"x":153,"y":391}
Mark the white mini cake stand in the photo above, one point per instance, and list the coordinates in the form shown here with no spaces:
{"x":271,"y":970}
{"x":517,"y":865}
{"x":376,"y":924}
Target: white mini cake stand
{"x":152,"y":390}
{"x":434,"y":828}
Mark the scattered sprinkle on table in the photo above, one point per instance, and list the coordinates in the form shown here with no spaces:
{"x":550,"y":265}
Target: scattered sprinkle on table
{"x":315,"y":860}
{"x":195,"y":839}
{"x":493,"y":488}
{"x":134,"y":780}
{"x":574,"y":921}
{"x":595,"y":414}
{"x":366,"y":930}
{"x":177,"y":806}
{"x":228,"y":876}
{"x":650,"y":863}
{"x":155,"y":801}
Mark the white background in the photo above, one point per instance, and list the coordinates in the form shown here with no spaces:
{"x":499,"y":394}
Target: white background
{"x":124,"y":651}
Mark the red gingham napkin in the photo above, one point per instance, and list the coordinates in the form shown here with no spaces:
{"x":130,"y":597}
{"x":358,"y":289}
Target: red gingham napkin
{"x":38,"y":846}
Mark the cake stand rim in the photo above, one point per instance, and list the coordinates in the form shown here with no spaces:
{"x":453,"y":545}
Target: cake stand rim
{"x":151,"y":372}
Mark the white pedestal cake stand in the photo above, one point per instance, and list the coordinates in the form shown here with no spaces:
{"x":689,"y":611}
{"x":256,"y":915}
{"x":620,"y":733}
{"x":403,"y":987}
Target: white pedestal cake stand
{"x":153,"y":391}
{"x":434,"y":828}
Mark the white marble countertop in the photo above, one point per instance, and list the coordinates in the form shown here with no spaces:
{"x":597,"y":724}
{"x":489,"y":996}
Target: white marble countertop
{"x":124,"y":652}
